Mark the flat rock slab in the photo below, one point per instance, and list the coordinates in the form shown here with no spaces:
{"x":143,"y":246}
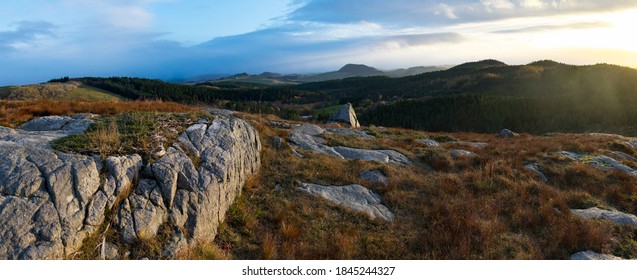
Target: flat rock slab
{"x":609,"y":215}
{"x":474,"y":144}
{"x":39,"y":132}
{"x":345,"y":131}
{"x":384,"y":156}
{"x":355,"y":197}
{"x":592,"y":256}
{"x":507,"y":133}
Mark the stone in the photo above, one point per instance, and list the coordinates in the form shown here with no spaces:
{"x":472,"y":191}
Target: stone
{"x":591,"y":255}
{"x":345,"y":115}
{"x":355,"y":197}
{"x":375,"y":177}
{"x":110,"y":251}
{"x":122,"y":173}
{"x":297,"y":154}
{"x":345,"y":131}
{"x":277,"y":142}
{"x":221,"y":112}
{"x":474,"y":144}
{"x":535,"y":169}
{"x":368,"y":155}
{"x":609,"y":215}
{"x":606,"y":163}
{"x":310,"y":129}
{"x":461,"y":153}
{"x":506,"y":133}
{"x":428,"y":142}
{"x":624,"y":156}
{"x":308,"y":142}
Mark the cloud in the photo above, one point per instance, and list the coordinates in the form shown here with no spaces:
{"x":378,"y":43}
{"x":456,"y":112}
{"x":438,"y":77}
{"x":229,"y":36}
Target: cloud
{"x":25,"y":34}
{"x":418,"y":12}
{"x":553,"y":27}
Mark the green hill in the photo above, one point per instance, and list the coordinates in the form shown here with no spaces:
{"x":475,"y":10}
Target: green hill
{"x":57,"y":91}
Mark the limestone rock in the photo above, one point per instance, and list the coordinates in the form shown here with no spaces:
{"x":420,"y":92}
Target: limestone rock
{"x":533,"y":167}
{"x":591,"y":255}
{"x":428,"y":142}
{"x":345,"y":115}
{"x":609,"y":215}
{"x":474,"y":144}
{"x":310,"y":129}
{"x":277,"y":142}
{"x":355,"y":197}
{"x":308,"y":142}
{"x":506,"y":133}
{"x":462,"y":153}
{"x":122,"y":174}
{"x":344,"y":131}
{"x":375,"y":177}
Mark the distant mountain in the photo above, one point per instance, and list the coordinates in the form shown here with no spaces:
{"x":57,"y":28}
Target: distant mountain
{"x":347,"y":71}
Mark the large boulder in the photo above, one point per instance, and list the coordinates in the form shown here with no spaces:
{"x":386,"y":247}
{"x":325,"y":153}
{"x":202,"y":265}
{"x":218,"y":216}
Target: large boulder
{"x":345,"y":115}
{"x":355,"y":197}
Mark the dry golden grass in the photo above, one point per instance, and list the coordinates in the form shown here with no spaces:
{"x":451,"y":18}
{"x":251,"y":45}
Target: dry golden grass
{"x":487,"y":207}
{"x":14,"y":113}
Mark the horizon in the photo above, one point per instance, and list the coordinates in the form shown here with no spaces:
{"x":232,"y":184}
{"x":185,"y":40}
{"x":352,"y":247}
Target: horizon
{"x":177,"y":39}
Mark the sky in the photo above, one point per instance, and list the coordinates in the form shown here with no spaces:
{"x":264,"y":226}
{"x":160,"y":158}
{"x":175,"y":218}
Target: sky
{"x":179,"y":39}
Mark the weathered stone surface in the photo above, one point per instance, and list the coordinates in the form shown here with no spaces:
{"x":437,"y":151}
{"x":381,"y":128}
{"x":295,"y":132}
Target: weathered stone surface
{"x":624,"y":156}
{"x":308,"y":142}
{"x":375,"y":177}
{"x":50,"y":202}
{"x":39,"y":132}
{"x":344,"y":131}
{"x":310,"y":129}
{"x":384,"y":156}
{"x":592,"y":256}
{"x":461,"y":153}
{"x":506,"y":133}
{"x":428,"y":142}
{"x":345,"y":115}
{"x":355,"y":197}
{"x":533,"y":167}
{"x":201,"y":176}
{"x":122,"y":175}
{"x":609,"y":215}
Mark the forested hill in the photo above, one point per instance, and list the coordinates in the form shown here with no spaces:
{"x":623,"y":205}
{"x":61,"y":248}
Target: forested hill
{"x":490,"y":77}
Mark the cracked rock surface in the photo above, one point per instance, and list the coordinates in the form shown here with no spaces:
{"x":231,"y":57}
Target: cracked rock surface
{"x":51,"y":201}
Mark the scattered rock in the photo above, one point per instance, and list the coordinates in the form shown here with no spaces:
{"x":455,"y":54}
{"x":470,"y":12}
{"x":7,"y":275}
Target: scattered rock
{"x":384,"y":156}
{"x":601,"y":162}
{"x":506,"y":133}
{"x":428,"y":142}
{"x":110,"y":251}
{"x":593,"y":256}
{"x":344,"y":131}
{"x":375,"y":177}
{"x":221,"y":112}
{"x":474,"y":144}
{"x":345,"y":115}
{"x":355,"y":197}
{"x":39,"y":132}
{"x":609,"y":215}
{"x":312,"y":143}
{"x":277,"y":142}
{"x":309,"y":129}
{"x":625,"y":156}
{"x":297,"y":154}
{"x":461,"y":153}
{"x":533,"y":167}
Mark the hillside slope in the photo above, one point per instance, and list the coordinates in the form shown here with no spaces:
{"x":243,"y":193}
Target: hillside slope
{"x":72,"y":91}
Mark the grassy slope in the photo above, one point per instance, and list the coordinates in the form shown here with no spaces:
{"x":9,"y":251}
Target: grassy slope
{"x":57,"y":91}
{"x":488,"y":207}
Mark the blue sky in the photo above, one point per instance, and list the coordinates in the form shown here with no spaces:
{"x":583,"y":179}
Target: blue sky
{"x":171,"y":39}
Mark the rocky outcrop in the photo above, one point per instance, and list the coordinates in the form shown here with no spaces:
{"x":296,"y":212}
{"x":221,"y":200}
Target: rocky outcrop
{"x":344,"y":131}
{"x":609,"y":215}
{"x":345,"y":115}
{"x":355,"y":197}
{"x":592,"y":256}
{"x":308,"y":137}
{"x":600,"y":161}
{"x":51,"y":201}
